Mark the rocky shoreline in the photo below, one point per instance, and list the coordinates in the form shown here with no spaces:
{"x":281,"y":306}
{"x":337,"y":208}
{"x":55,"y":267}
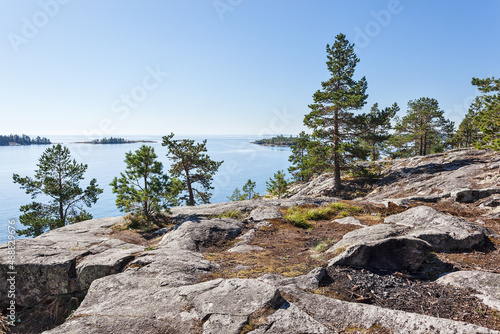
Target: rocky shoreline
{"x":420,"y":255}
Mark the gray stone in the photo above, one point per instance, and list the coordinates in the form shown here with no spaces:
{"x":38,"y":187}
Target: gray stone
{"x":466,"y":195}
{"x":368,"y":234}
{"x":263,"y":224}
{"x":442,"y":231}
{"x":349,"y":220}
{"x":241,"y":267}
{"x":193,"y":234}
{"x":491,"y":202}
{"x":219,"y":306}
{"x":486,"y":284}
{"x":247,"y":206}
{"x":311,"y":280}
{"x":397,"y":253}
{"x":65,"y":260}
{"x":170,"y":267}
{"x":261,"y":214}
{"x":438,"y":175}
{"x":291,"y":320}
{"x":245,"y":238}
{"x":245,"y":249}
{"x":320,"y":186}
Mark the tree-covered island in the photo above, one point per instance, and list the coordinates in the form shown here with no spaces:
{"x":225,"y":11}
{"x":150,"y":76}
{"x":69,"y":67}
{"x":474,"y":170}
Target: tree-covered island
{"x":280,"y":140}
{"x":16,"y":140}
{"x":112,"y":140}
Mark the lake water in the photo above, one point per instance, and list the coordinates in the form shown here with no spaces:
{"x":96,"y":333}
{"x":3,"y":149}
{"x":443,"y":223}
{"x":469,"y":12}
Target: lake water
{"x":242,"y":161}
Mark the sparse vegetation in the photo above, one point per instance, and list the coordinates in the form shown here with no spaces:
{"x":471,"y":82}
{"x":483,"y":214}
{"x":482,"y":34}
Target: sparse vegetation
{"x":300,"y":216}
{"x":236,"y":214}
{"x":277,"y":184}
{"x":143,"y":189}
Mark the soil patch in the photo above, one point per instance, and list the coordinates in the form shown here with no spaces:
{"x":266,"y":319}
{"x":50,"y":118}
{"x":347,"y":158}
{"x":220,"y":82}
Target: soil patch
{"x":399,"y":291}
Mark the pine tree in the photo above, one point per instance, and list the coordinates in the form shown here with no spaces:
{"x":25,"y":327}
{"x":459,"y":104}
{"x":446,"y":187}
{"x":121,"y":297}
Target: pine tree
{"x":488,"y":118}
{"x":236,"y":195}
{"x":379,"y":125}
{"x":193,"y":166}
{"x":308,"y":158}
{"x":249,"y":189}
{"x":143,"y":189}
{"x":331,"y":118}
{"x":422,"y":130}
{"x":468,"y":132}
{"x":57,"y":177}
{"x":277,"y":185}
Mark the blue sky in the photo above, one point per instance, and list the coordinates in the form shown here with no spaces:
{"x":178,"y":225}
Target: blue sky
{"x":118,"y":67}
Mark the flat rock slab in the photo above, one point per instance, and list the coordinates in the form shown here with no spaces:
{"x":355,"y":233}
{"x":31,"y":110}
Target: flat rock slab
{"x":397,"y":253}
{"x":218,"y":306}
{"x":196,"y":233}
{"x":486,"y":284}
{"x":65,"y":260}
{"x":245,"y":249}
{"x":442,"y":231}
{"x":348,"y":220}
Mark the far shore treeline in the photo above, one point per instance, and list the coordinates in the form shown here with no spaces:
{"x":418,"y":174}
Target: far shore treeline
{"x":16,"y":140}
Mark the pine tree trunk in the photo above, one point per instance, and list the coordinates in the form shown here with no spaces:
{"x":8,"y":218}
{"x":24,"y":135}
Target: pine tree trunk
{"x":190,"y":189}
{"x":145,"y":204}
{"x":336,"y":157}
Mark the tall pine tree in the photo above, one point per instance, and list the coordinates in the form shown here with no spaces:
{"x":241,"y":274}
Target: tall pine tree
{"x":378,"y":125}
{"x":468,"y":132}
{"x":195,"y":168}
{"x":488,"y":118}
{"x":423,"y":129}
{"x":331,"y":116}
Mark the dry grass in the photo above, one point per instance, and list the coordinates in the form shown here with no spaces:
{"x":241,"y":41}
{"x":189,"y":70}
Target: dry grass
{"x":287,"y":250}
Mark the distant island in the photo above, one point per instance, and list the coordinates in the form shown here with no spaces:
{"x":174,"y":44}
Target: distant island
{"x":112,"y":140}
{"x":277,"y":141}
{"x":16,"y":140}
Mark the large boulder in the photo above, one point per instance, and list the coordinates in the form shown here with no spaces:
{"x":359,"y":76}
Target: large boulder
{"x":395,"y":253}
{"x":197,"y":233}
{"x":366,"y":235}
{"x":405,"y":239}
{"x":486,"y":284}
{"x":442,"y":231}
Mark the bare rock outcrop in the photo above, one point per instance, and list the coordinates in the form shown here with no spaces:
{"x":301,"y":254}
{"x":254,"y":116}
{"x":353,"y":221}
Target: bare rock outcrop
{"x":404,"y":241}
{"x":65,"y":260}
{"x":123,"y":304}
{"x":195,"y":233}
{"x":395,"y":253}
{"x":247,"y":206}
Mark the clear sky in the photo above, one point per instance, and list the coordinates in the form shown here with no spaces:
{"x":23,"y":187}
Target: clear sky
{"x":93,"y":67}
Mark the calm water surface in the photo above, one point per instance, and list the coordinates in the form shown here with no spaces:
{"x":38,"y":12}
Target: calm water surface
{"x":242,"y":161}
